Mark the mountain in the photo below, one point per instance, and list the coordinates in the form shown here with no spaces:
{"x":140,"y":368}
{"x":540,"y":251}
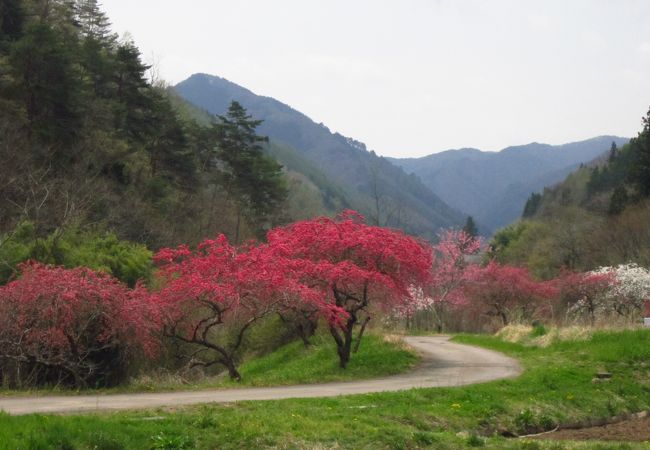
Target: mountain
{"x":383,"y":192}
{"x":597,"y":216}
{"x":493,"y":186}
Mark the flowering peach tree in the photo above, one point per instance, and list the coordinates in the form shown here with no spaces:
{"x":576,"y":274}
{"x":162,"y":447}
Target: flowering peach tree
{"x":356,"y":268}
{"x":506,"y":291}
{"x":72,"y":326}
{"x":450,"y":274}
{"x":211,"y":296}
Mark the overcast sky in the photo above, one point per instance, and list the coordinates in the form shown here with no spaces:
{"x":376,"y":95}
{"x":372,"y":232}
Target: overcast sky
{"x":414,"y":77}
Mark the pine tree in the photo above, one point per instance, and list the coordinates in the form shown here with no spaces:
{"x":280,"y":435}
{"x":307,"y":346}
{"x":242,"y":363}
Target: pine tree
{"x":130,"y":91}
{"x":618,"y":201}
{"x":43,"y":65}
{"x":613,"y":152}
{"x":93,"y":23}
{"x":254,"y":178}
{"x":12,"y":17}
{"x":470,"y":227}
{"x":532,"y":205}
{"x":640,"y":169}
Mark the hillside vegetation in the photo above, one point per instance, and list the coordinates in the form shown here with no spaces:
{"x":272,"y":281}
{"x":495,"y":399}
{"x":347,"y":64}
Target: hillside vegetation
{"x":92,"y":150}
{"x":493,"y":186}
{"x":597,"y":216}
{"x":370,"y":184}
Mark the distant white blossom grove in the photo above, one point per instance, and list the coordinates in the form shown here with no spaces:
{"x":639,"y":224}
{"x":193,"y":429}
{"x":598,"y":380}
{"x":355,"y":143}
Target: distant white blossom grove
{"x":631,"y":289}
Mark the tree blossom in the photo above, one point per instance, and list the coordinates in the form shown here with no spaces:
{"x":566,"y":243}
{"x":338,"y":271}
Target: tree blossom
{"x":213,"y":295}
{"x":451,"y":271}
{"x":631,"y":290}
{"x":73,"y":326}
{"x":355,"y":266}
{"x":507,"y":290}
{"x":586,"y":293}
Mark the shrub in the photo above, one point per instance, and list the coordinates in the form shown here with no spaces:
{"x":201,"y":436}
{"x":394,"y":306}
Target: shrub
{"x":127,"y":261}
{"x":75,"y":327}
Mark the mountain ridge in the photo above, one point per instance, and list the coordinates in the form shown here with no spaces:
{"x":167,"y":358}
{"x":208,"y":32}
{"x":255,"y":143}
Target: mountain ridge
{"x":493,"y":186}
{"x":380,"y":190}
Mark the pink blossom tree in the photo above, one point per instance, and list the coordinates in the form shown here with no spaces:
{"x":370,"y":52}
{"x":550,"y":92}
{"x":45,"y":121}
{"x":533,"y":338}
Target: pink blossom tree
{"x":451,"y":271}
{"x":505,"y":291}
{"x":72,"y":326}
{"x":356,"y":267}
{"x":213,"y":295}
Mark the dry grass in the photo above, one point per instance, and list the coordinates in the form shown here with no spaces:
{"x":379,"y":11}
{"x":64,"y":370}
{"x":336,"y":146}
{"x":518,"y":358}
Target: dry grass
{"x":525,"y":334}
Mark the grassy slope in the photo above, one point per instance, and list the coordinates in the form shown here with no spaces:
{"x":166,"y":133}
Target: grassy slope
{"x":556,"y":388}
{"x":290,"y":364}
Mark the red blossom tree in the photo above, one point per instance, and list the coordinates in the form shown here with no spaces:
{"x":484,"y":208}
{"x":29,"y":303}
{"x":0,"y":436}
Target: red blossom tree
{"x":72,"y":326}
{"x":451,"y":272}
{"x":584,"y":293}
{"x":213,"y":295}
{"x":504,"y":290}
{"x":354,"y":266}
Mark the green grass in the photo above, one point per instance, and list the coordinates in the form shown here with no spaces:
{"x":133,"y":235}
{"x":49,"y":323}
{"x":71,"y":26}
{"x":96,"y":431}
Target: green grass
{"x":555,"y":388}
{"x":290,"y":364}
{"x":295,"y":364}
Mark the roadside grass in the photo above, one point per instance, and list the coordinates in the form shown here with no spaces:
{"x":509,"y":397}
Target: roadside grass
{"x":290,"y":364}
{"x":556,"y":388}
{"x":295,"y":364}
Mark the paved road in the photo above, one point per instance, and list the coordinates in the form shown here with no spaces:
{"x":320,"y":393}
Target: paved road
{"x":443,"y":364}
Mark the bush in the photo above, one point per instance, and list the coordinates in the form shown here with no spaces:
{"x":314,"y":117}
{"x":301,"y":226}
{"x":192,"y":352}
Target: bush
{"x":126,"y":261}
{"x":74,"y":327}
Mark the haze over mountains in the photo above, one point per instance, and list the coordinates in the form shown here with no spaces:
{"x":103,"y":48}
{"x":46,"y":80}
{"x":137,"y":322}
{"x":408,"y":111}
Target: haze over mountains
{"x":383,"y":192}
{"x":420,"y":195}
{"x":493,"y":186}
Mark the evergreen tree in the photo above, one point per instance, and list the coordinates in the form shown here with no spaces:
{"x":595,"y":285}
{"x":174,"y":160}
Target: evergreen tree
{"x":131,"y":93}
{"x":532,"y":205}
{"x":640,"y":169}
{"x":168,"y":145}
{"x":254,"y":178}
{"x":613,"y":153}
{"x":93,"y":23}
{"x":12,"y":16}
{"x":46,"y":82}
{"x":595,"y":181}
{"x":618,"y":201}
{"x":470,"y":227}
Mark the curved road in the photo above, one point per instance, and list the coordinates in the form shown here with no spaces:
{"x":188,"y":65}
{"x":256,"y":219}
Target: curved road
{"x":443,"y":364}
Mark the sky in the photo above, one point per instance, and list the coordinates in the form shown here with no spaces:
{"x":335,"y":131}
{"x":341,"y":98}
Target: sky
{"x":415,"y":77}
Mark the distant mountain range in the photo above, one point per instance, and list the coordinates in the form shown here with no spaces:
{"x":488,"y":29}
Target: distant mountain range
{"x":419,"y":195}
{"x":382,"y":191}
{"x":493,"y":186}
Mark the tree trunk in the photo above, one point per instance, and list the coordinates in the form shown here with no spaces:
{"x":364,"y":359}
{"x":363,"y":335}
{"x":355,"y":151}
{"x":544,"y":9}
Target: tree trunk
{"x":343,"y":345}
{"x":363,"y":328}
{"x":305,"y":331}
{"x":233,"y":373}
{"x":238,"y":226}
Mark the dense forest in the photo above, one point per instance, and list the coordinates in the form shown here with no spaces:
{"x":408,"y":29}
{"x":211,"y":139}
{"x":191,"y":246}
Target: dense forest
{"x":100,"y":164}
{"x":598,"y":216}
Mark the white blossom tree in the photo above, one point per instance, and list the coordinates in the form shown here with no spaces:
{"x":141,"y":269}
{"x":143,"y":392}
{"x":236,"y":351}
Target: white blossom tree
{"x":630,"y":292}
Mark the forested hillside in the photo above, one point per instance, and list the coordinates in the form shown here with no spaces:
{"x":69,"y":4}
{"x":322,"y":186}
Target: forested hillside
{"x":493,"y":186}
{"x":370,"y":184}
{"x":598,"y":216}
{"x":93,"y":153}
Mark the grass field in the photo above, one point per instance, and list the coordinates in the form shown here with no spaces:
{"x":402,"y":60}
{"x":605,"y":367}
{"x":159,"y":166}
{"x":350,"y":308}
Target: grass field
{"x":555,"y":388}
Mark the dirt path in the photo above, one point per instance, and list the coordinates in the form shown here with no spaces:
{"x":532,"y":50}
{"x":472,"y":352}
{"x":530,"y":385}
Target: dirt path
{"x":443,"y":364}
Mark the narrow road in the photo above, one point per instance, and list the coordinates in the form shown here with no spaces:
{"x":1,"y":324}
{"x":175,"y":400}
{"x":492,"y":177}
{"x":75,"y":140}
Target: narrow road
{"x":443,"y":364}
